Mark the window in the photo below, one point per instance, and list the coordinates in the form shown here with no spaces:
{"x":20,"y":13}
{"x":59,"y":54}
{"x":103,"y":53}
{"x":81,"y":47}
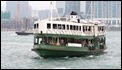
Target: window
{"x":89,"y":28}
{"x":103,"y":28}
{"x":84,"y":28}
{"x":114,"y":22}
{"x":99,"y":28}
{"x":70,"y":27}
{"x":54,"y":26}
{"x":76,"y":27}
{"x":109,"y":22}
{"x":37,"y":25}
{"x":36,"y":40}
{"x":40,"y":41}
{"x":48,"y":26}
{"x":34,"y":26}
{"x":106,"y":21}
{"x":79,"y":28}
{"x":119,"y":22}
{"x":59,"y":26}
{"x":63,"y":27}
{"x":67,"y":27}
{"x":73,"y":27}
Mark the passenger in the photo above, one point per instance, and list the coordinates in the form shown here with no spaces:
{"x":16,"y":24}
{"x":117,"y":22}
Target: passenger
{"x":84,"y":43}
{"x":62,"y":42}
{"x":101,"y":45}
{"x":90,"y":45}
{"x":50,"y":41}
{"x":57,"y":42}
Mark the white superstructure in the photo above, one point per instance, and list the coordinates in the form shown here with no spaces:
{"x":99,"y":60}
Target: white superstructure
{"x":70,"y":25}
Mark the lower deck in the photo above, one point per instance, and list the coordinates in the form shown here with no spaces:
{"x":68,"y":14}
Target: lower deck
{"x":60,"y":45}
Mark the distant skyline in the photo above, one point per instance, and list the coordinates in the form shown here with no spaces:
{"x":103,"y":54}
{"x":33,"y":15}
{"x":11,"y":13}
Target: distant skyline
{"x":40,"y":5}
{"x":35,"y":5}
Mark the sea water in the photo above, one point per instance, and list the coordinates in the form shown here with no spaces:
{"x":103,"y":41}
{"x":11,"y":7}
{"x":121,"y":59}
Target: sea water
{"x":16,"y":54}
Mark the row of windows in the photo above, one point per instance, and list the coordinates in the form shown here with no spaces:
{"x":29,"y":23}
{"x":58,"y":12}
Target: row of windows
{"x":62,"y":26}
{"x":70,"y":27}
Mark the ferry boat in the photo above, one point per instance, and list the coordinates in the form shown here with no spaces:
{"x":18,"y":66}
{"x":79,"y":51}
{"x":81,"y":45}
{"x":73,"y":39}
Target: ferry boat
{"x":24,"y":33}
{"x":69,"y":36}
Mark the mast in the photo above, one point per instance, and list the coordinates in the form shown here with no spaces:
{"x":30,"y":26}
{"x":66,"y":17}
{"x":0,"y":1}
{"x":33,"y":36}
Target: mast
{"x":51,"y":10}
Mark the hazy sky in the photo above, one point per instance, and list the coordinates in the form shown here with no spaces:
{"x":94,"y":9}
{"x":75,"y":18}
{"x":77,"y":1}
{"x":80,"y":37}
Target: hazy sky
{"x":41,"y":5}
{"x":35,"y":5}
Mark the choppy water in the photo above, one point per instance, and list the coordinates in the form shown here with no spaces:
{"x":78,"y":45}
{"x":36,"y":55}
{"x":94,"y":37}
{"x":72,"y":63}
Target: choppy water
{"x":16,"y":54}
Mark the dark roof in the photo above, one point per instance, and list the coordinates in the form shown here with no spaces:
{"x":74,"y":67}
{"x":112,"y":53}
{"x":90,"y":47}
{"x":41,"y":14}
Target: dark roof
{"x":73,"y":13}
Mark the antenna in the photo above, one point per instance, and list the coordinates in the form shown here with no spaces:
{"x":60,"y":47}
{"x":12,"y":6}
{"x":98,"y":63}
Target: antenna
{"x":51,"y":12}
{"x":87,"y":13}
{"x":92,"y":8}
{"x":58,"y":14}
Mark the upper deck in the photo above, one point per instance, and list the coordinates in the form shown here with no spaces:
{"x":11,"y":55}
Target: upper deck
{"x":70,"y":26}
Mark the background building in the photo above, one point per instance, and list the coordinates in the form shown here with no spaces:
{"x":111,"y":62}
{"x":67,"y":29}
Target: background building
{"x":45,"y":14}
{"x":5,"y":15}
{"x":60,"y":6}
{"x":65,"y":7}
{"x":107,"y":11}
{"x":24,"y":9}
{"x":72,"y":6}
